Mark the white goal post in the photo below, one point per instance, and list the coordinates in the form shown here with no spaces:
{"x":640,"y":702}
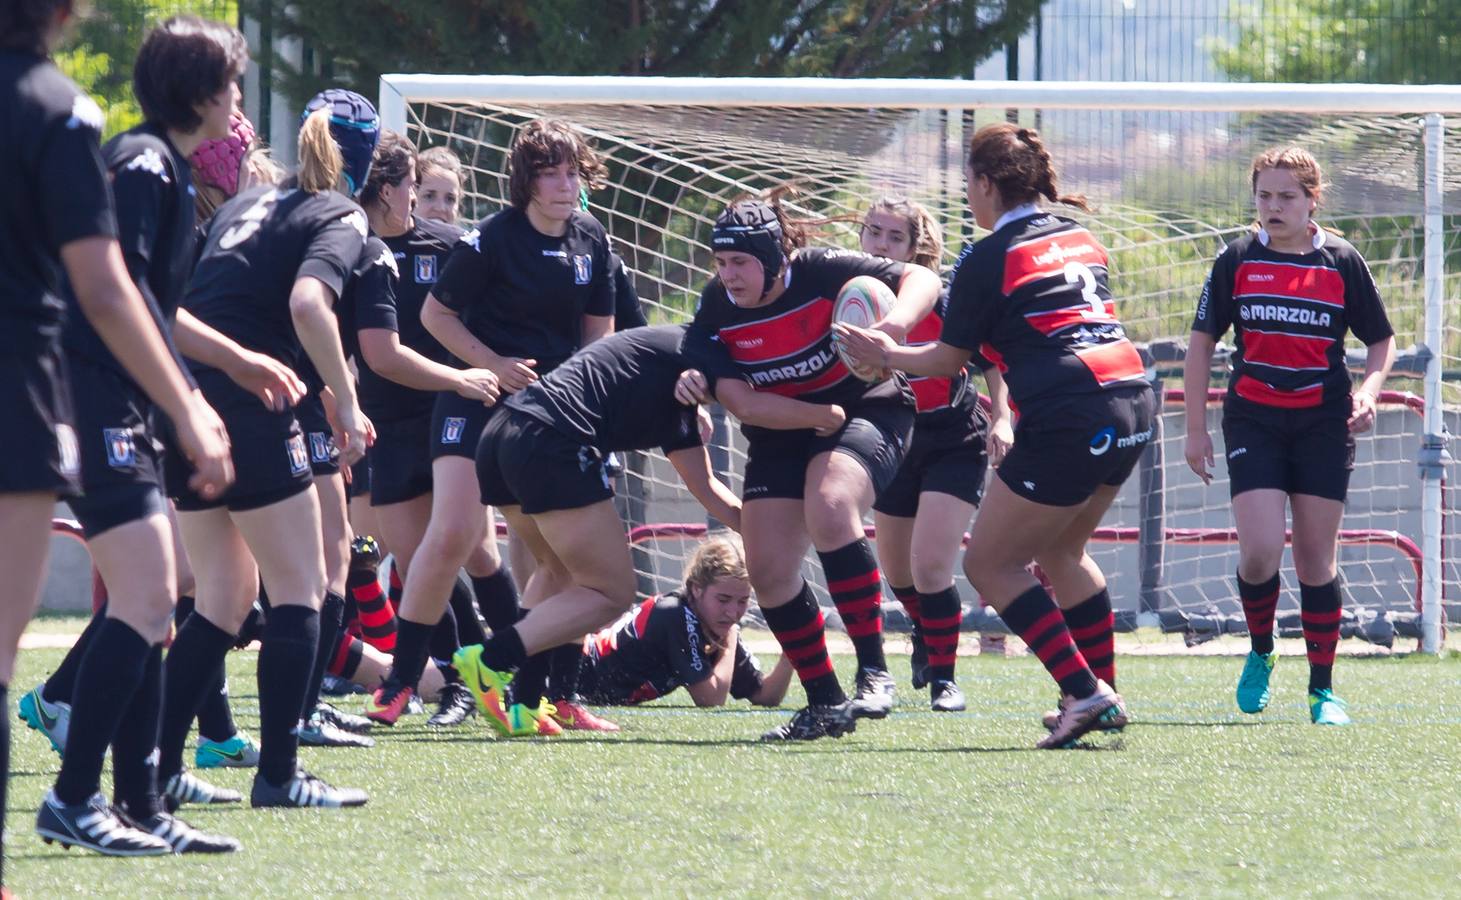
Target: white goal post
{"x":1151,"y":155}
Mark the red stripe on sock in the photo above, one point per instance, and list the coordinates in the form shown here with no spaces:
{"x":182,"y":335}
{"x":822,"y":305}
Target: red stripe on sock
{"x":1069,"y":667}
{"x":1321,"y":618}
{"x":870,"y":578}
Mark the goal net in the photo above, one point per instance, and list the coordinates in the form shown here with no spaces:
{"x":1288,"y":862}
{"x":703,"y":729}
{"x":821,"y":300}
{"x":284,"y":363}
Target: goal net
{"x":1166,"y":169}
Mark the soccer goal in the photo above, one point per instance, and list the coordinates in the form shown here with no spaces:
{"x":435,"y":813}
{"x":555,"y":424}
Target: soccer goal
{"x":1166,"y":167}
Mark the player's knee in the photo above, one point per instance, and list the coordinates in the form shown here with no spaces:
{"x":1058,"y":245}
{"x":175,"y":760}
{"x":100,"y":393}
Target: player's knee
{"x":1314,"y":564}
{"x":1258,"y":563}
{"x":833,"y":520}
{"x":932,"y":573}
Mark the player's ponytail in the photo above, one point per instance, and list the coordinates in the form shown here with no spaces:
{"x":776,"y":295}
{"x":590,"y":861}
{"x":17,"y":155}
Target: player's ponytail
{"x":321,"y":166}
{"x":1016,"y":160}
{"x":720,"y":555}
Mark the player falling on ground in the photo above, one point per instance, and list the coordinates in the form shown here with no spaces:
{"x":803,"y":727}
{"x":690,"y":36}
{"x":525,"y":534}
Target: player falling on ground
{"x":921,"y":516}
{"x":184,"y":81}
{"x":1290,"y":290}
{"x":541,"y":461}
{"x":518,"y":294}
{"x":402,"y":368}
{"x":687,"y":638}
{"x":821,"y":442}
{"x":1032,"y":298}
{"x":57,"y":219}
{"x":273,"y":264}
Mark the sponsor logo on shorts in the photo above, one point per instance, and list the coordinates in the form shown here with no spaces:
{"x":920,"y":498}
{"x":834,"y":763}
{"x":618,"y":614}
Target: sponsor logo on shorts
{"x":1132,"y":440}
{"x":121,"y":451}
{"x":321,"y":447}
{"x":1029,"y":485}
{"x":426,"y":269}
{"x":452,"y":428}
{"x":298,"y":459}
{"x":583,"y":268}
{"x":752,"y":491}
{"x":1103,"y":440}
{"x":1234,"y":454}
{"x":67,"y":450}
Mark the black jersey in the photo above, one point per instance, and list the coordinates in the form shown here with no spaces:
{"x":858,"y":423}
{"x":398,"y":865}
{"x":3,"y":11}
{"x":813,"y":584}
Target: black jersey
{"x":388,"y":293}
{"x":618,"y":393}
{"x":258,"y":244}
{"x":628,"y":313}
{"x":1032,"y":298}
{"x":153,"y":187}
{"x":524,"y":293}
{"x":55,"y":192}
{"x":658,"y":647}
{"x":1289,"y":313}
{"x":785,"y":347}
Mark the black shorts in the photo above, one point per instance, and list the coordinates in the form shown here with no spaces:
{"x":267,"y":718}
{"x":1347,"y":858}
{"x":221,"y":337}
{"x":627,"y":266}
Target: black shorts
{"x":121,"y":461}
{"x":400,"y":461}
{"x":1062,"y":455}
{"x":319,"y":437}
{"x":523,"y":462}
{"x":270,"y":459}
{"x":359,"y":485}
{"x":456,"y":425}
{"x":947,"y":455}
{"x":1297,"y":451}
{"x":35,"y":405}
{"x":876,"y":435}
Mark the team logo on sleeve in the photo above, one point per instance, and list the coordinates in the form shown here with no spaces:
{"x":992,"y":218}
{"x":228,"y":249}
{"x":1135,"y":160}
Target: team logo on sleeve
{"x":473,"y":239}
{"x":583,"y":268}
{"x":322,"y":447}
{"x":148,"y":160}
{"x":85,"y":112}
{"x":121,"y":451}
{"x":298,"y":459}
{"x":452,"y":428}
{"x":426,"y":268}
{"x":356,"y":219}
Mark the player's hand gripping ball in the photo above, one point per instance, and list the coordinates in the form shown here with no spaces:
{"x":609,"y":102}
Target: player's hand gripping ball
{"x":862,"y":302}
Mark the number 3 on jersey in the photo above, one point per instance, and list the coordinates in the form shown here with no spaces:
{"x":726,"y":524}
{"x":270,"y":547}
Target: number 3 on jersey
{"x":249,"y":222}
{"x":1080,"y":273}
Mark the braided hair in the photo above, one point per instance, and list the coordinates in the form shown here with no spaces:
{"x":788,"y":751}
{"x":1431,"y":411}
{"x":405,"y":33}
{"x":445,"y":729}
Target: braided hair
{"x":1016,"y":161}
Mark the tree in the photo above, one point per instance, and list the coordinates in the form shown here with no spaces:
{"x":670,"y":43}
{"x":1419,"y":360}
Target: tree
{"x":362,"y":39}
{"x":1369,"y":41}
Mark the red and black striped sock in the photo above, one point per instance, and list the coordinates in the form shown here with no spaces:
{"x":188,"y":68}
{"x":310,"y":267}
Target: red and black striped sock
{"x":1037,"y":620}
{"x":908,"y":596}
{"x":373,"y":611}
{"x":942,"y":614}
{"x":1319,"y":613}
{"x":347,"y":656}
{"x":856,"y":587}
{"x":802,"y":633}
{"x":1260,"y":602}
{"x":1093,"y":626}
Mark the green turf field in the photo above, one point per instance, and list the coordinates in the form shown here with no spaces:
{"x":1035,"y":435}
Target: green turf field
{"x":1193,"y":800}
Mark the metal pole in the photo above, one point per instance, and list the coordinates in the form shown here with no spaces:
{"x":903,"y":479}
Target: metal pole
{"x":1152,"y":489}
{"x":1433,"y":457}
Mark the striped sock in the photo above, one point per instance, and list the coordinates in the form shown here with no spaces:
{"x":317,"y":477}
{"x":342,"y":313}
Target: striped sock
{"x":1319,"y":612}
{"x":856,"y":587}
{"x":1092,"y":625}
{"x":1037,"y":620}
{"x":373,"y":610}
{"x":942,"y":614}
{"x":802,"y":633}
{"x":1260,"y":602}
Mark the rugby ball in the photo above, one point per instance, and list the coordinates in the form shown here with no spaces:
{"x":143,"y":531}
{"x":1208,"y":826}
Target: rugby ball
{"x":861,"y":302}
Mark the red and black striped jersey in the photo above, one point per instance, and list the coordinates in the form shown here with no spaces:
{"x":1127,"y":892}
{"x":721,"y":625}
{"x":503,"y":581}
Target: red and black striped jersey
{"x":786,"y":346}
{"x":934,"y":394}
{"x":1032,"y":298}
{"x":1289,"y":314}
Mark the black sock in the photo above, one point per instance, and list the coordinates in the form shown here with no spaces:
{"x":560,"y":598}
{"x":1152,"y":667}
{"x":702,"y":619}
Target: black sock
{"x":187,"y":675}
{"x":286,"y":659}
{"x":215,"y":716}
{"x":497,"y":598}
{"x":4,"y":767}
{"x":563,"y":668}
{"x":331,"y":611}
{"x":856,"y":587}
{"x":802,"y":633}
{"x":464,"y":608}
{"x":107,"y":679}
{"x":413,"y":640}
{"x":531,"y":679}
{"x":134,"y":769}
{"x":941,"y":616}
{"x":504,"y":651}
{"x":62,"y":683}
